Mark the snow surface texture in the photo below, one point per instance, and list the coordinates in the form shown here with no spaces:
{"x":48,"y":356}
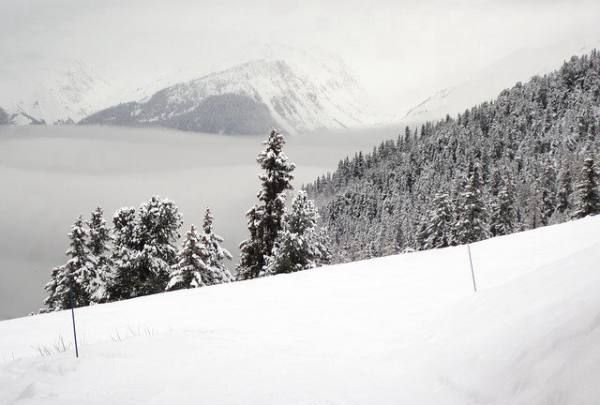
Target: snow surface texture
{"x":400,"y":329}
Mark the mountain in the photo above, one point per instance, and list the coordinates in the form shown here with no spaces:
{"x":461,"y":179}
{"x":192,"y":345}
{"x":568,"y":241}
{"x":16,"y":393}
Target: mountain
{"x":400,"y":329}
{"x":511,"y":164}
{"x":251,"y":98}
{"x":486,"y":84}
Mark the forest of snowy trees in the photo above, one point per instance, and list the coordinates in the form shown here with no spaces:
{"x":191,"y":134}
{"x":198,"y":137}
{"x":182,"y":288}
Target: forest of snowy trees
{"x":138,"y":255}
{"x":525,"y":160}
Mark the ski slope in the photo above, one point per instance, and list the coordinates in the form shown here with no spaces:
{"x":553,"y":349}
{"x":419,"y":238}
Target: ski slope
{"x":404,"y":329}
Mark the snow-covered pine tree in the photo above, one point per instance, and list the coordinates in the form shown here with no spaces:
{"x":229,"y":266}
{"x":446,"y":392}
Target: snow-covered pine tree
{"x":190,"y":267}
{"x":587,"y":200}
{"x":216,"y":254}
{"x":565,"y":189}
{"x":301,"y":244}
{"x":471,"y":225}
{"x":73,"y":283}
{"x":438,"y":231}
{"x":144,"y":262}
{"x":548,"y":193}
{"x":98,"y":244}
{"x":250,"y":249}
{"x":503,"y":216}
{"x":123,"y":253}
{"x":267,"y":216}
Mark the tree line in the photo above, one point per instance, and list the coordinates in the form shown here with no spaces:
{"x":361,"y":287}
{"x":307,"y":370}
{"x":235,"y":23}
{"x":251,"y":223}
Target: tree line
{"x":138,"y":255}
{"x":524,"y":160}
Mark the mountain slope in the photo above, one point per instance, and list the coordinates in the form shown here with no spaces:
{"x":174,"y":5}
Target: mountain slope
{"x":270,"y":92}
{"x":400,"y":329}
{"x":486,"y":84}
{"x":522,"y":154}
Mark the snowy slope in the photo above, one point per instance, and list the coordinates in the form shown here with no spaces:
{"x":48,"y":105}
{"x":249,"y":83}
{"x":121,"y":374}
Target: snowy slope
{"x":402,"y":329}
{"x":486,"y":84}
{"x":298,"y":94}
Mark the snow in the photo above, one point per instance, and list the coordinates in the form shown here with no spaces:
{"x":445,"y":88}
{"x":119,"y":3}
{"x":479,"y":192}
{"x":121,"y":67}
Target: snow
{"x":400,"y":329}
{"x":503,"y":73}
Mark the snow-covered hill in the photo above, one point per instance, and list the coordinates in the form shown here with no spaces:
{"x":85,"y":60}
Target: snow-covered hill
{"x":486,"y":84}
{"x":401,"y":329}
{"x":298,"y":95}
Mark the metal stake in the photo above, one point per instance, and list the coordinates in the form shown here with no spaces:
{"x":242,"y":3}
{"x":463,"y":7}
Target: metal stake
{"x":472,"y":271}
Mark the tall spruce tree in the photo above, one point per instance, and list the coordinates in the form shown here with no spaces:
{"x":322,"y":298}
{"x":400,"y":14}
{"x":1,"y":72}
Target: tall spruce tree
{"x":503,"y":215}
{"x":73,"y":283}
{"x":565,"y":189}
{"x":99,"y":246}
{"x":587,"y":200}
{"x":471,"y":225}
{"x":438,"y":228}
{"x":265,"y":218}
{"x":301,"y":244}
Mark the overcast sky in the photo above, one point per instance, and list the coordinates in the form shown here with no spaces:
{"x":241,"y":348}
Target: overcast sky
{"x":401,"y":50}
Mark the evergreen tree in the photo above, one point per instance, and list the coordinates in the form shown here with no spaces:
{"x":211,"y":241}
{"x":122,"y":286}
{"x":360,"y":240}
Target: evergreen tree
{"x":216,"y":254}
{"x":565,"y":189}
{"x":144,"y":261}
{"x":98,"y":245}
{"x":123,"y":253}
{"x":548,"y":193}
{"x":503,"y":216}
{"x":250,"y":249}
{"x":438,"y":229}
{"x":471,"y":225}
{"x":73,"y":283}
{"x":190,"y":267}
{"x":301,"y":244}
{"x":587,"y":199}
{"x":267,"y":216}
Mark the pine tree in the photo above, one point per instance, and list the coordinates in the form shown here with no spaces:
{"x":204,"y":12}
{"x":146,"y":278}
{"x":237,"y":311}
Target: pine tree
{"x":565,"y":189}
{"x":250,"y":249}
{"x":471,"y":225}
{"x":548,"y":193}
{"x":98,"y":245}
{"x":301,"y":244}
{"x":503,"y":215}
{"x":587,"y":199}
{"x":190,"y":267}
{"x":216,"y":254}
{"x":264,"y":220}
{"x":438,"y":230}
{"x":123,"y":253}
{"x":143,"y":263}
{"x":73,"y":283}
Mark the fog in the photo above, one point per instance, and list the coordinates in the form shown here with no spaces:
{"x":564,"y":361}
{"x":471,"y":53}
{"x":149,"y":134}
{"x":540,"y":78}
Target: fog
{"x":50,"y":175}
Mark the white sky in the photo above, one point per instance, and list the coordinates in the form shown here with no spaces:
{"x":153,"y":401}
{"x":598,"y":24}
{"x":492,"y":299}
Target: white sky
{"x":401,"y":50}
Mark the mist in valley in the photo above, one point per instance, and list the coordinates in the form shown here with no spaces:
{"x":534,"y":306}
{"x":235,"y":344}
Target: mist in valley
{"x":50,"y":175}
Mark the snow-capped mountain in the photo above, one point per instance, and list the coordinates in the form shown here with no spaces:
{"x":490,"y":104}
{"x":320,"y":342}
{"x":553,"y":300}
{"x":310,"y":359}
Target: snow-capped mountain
{"x":488,"y":83}
{"x":62,"y":91}
{"x":297,"y":95}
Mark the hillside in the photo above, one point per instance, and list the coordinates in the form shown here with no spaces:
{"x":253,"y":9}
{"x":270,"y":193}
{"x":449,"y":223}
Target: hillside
{"x":255,"y":96}
{"x":519,"y":157}
{"x":487,"y":83}
{"x":400,"y":329}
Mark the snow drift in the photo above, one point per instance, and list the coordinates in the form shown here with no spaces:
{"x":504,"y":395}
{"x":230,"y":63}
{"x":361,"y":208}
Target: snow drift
{"x":399,"y":329}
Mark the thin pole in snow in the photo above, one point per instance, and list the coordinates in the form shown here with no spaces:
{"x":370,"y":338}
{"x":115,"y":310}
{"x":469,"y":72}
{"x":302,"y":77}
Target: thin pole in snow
{"x":472,"y":271}
{"x":74,"y":329}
